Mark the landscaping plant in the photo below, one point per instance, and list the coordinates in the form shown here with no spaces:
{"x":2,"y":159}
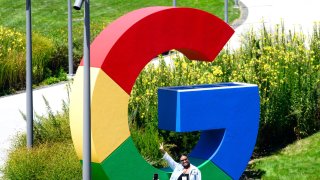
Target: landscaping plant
{"x":13,"y":60}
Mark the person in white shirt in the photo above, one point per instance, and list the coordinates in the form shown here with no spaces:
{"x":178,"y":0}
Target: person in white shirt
{"x":183,"y":170}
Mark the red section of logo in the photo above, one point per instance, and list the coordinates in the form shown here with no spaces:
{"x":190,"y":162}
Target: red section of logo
{"x":124,"y":48}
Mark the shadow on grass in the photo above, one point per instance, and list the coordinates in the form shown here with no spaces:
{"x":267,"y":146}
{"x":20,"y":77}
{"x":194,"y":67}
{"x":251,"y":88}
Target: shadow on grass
{"x":251,"y":173}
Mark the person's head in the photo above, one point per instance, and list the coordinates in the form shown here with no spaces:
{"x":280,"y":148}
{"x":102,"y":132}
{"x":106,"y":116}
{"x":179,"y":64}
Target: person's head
{"x":184,"y":161}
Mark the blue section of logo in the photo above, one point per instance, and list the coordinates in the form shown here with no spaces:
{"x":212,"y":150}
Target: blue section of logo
{"x":227,"y":114}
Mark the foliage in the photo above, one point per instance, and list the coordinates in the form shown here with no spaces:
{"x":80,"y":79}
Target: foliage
{"x":300,"y":160}
{"x":13,"y":59}
{"x":287,"y":73}
{"x":46,"y":161}
{"x":52,"y":156}
{"x":60,"y":76}
{"x":51,"y":128}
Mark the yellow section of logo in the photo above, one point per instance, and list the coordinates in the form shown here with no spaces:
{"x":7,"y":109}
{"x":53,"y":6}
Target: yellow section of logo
{"x":109,"y":114}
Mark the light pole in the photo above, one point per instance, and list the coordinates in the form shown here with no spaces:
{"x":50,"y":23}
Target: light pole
{"x":86,"y":168}
{"x":70,"y":46}
{"x":236,"y":3}
{"x":226,"y":18}
{"x":29,"y":75}
{"x":174,"y":3}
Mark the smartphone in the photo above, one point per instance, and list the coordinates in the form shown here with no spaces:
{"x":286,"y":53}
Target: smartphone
{"x":155,"y":177}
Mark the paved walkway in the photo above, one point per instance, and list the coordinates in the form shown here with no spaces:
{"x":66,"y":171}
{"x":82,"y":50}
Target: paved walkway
{"x":11,"y":120}
{"x":294,"y":13}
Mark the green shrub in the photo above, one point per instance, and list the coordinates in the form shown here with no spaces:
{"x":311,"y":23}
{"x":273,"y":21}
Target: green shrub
{"x":46,"y":161}
{"x":42,"y":51}
{"x":13,"y":59}
{"x":51,"y":128}
{"x":52,"y":156}
{"x":54,"y":127}
{"x":60,"y":76}
{"x":287,"y":72}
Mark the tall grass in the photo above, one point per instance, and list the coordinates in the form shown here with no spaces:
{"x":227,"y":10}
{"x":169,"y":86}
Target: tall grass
{"x":287,"y":73}
{"x":46,"y":161}
{"x":52,"y":156}
{"x":13,"y":59}
{"x":50,"y":128}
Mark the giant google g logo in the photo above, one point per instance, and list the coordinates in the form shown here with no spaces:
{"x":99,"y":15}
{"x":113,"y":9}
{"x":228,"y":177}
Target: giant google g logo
{"x":119,"y":54}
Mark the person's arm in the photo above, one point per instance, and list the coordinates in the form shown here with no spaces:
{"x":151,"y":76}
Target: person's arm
{"x":173,"y":164}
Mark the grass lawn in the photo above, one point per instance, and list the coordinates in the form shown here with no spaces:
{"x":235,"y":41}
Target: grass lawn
{"x":49,"y":17}
{"x":300,"y":160}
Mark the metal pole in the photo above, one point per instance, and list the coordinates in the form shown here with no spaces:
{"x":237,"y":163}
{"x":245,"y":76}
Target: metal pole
{"x":70,"y":46}
{"x":236,"y":3}
{"x":86,"y":96}
{"x":29,"y":75}
{"x":174,"y":3}
{"x":226,"y":11}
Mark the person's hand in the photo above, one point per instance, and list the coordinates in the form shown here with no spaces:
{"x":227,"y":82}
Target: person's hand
{"x":161,"y":147}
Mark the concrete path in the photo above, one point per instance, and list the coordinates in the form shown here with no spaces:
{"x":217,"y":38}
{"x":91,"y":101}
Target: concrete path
{"x":294,"y":13}
{"x":11,"y":120}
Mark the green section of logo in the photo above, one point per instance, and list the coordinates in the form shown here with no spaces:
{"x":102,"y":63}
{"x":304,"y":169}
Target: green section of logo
{"x":127,"y":163}
{"x":210,"y":171}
